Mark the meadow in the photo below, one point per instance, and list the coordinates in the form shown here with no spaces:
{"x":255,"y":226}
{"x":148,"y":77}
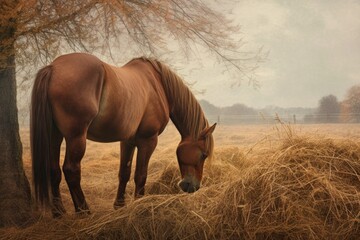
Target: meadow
{"x":274,"y":181}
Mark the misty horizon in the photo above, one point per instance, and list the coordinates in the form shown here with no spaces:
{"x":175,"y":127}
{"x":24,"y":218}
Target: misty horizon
{"x":314,"y":52}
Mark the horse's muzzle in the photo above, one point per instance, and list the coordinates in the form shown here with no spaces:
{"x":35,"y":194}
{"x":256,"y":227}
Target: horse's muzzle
{"x":189,"y":184}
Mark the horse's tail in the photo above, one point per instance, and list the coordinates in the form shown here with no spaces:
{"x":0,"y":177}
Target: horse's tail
{"x":41,"y":122}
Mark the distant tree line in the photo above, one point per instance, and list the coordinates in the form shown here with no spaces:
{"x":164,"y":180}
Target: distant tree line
{"x":240,"y":113}
{"x":330,"y":110}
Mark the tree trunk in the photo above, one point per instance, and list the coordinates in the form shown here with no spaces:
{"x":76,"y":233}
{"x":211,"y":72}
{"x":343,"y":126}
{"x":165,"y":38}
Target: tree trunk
{"x":15,"y":195}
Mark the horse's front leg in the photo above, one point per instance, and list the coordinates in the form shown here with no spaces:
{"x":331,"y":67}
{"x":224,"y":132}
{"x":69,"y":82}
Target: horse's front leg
{"x":146,"y":147}
{"x":127,"y":153}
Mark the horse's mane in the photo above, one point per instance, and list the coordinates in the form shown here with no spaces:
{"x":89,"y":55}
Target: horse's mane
{"x":187,"y":108}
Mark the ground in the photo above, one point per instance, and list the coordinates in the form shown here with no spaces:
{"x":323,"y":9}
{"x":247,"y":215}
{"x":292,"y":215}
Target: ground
{"x":101,"y":161}
{"x":274,"y":181}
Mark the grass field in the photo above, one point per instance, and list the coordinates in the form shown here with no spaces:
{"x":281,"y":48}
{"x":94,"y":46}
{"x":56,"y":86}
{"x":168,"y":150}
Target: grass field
{"x":266,"y":181}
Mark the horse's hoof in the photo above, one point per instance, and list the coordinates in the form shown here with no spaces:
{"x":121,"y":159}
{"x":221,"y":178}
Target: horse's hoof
{"x":119,"y":204}
{"x":83,"y":212}
{"x":58,"y":212}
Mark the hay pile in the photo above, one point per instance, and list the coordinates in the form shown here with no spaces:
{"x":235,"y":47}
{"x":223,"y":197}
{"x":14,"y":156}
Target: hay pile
{"x":306,"y":188}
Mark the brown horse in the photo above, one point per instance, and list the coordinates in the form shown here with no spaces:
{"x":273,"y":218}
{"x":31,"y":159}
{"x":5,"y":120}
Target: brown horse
{"x":79,"y":97}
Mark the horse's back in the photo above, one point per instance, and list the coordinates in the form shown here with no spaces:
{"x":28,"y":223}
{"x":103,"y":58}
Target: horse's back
{"x":75,"y":91}
{"x":109,"y":103}
{"x":132,"y":103}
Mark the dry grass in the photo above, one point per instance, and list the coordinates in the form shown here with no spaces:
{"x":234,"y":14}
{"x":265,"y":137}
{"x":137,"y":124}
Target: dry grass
{"x":265,"y":183}
{"x":305,"y":189}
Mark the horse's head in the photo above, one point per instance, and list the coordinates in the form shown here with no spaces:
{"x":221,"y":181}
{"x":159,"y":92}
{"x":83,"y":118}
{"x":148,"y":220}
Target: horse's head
{"x":191,"y":154}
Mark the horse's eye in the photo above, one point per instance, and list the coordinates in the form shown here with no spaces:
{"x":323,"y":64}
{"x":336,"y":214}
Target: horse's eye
{"x":203,"y":156}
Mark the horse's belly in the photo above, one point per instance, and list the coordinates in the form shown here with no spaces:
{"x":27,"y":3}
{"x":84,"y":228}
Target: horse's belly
{"x":95,"y":136}
{"x":111,"y":131}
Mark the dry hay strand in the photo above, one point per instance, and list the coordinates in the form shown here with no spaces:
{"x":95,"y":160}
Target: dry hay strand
{"x":166,"y":181}
{"x":229,"y":163}
{"x":306,"y":189}
{"x":151,"y":217}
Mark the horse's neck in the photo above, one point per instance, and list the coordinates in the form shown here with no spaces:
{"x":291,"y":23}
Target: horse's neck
{"x":185,"y":111}
{"x":182,"y":125}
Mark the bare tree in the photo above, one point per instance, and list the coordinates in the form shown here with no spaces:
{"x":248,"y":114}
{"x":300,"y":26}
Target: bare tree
{"x":32,"y":32}
{"x":329,"y":109}
{"x":351,"y":104}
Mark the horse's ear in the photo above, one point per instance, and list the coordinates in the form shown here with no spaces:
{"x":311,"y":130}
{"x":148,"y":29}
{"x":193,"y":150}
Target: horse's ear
{"x":207,"y":131}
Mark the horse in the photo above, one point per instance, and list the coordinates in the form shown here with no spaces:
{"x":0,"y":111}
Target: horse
{"x":79,"y":97}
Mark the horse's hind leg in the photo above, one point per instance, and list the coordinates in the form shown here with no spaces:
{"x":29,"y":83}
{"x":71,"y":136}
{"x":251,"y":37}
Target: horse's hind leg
{"x":57,"y":205}
{"x":75,"y":149}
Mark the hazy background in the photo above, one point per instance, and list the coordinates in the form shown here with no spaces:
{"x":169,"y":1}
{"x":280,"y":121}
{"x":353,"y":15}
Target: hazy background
{"x":314,"y":51}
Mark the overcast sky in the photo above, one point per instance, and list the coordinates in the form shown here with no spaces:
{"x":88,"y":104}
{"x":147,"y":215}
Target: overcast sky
{"x":314,"y":51}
